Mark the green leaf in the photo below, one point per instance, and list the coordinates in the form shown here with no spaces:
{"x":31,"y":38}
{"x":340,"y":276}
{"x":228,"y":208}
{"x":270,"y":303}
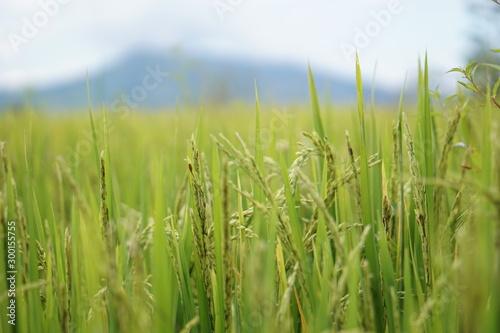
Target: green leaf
{"x":471,"y":68}
{"x":456,"y":69}
{"x":260,"y":226}
{"x":92,"y":128}
{"x":469,"y":86}
{"x":495,"y":67}
{"x":495,"y":87}
{"x":366,"y":201}
{"x":318,"y":124}
{"x":359,"y":93}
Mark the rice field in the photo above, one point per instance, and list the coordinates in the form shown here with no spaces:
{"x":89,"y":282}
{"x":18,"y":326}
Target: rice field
{"x":249,"y":219}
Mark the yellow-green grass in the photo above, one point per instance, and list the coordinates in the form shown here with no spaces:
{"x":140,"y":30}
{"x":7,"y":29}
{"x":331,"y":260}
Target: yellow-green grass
{"x":254,"y":219}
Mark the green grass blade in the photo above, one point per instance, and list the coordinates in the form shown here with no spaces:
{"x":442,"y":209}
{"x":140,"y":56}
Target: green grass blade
{"x":368,"y":217}
{"x":95,"y":147}
{"x":318,"y":124}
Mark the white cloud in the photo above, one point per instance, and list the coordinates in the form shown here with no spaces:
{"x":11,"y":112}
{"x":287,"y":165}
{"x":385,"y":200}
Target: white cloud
{"x":86,"y":34}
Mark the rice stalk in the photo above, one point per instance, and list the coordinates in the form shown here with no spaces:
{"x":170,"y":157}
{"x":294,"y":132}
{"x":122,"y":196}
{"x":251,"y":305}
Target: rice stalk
{"x":200,"y":224}
{"x":104,"y":212}
{"x":419,"y":200}
{"x":228,"y":270}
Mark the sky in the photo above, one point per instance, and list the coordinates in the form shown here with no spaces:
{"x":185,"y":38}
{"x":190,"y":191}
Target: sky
{"x":43,"y":42}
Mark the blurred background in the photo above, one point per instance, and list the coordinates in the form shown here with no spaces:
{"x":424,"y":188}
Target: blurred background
{"x":154,"y":54}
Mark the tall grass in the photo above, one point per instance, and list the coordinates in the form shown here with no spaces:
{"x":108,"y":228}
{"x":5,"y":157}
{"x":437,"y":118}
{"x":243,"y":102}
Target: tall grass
{"x":390,"y":225}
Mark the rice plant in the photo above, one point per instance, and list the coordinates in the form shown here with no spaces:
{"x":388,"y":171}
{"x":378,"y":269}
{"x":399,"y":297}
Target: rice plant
{"x":186,"y":224}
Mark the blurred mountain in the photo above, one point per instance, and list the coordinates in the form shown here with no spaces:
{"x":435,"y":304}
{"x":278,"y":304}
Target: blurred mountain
{"x":149,"y":80}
